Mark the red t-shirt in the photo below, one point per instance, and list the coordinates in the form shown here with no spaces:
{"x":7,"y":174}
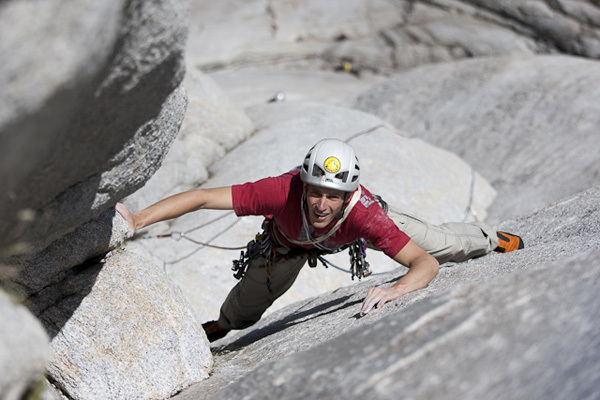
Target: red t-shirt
{"x":280,"y":198}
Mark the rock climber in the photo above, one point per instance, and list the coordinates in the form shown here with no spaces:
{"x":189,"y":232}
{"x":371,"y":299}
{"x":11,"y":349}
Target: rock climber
{"x":317,"y":209}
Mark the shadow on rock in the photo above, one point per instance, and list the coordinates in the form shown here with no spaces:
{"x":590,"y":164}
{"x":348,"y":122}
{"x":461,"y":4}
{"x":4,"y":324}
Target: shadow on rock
{"x":289,"y":321}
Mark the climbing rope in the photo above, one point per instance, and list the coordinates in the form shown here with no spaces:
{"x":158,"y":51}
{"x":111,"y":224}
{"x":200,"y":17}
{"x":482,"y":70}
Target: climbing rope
{"x":328,"y":263}
{"x":176,"y":235}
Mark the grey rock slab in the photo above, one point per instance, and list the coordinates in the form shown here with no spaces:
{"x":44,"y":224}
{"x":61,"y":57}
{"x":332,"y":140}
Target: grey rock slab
{"x":570,"y":25}
{"x":518,"y":325}
{"x":384,"y":36}
{"x":123,"y":330}
{"x":530,"y":335}
{"x":526,"y":124}
{"x":439,"y":33}
{"x":252,"y":86}
{"x":237,"y":33}
{"x":23,"y":349}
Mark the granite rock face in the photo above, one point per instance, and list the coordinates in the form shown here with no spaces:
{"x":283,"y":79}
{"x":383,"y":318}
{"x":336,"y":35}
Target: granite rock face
{"x":23,"y":349}
{"x":93,"y":101}
{"x":384,"y":36}
{"x":528,"y":125}
{"x":529,"y":335}
{"x":284,"y":133}
{"x":123,"y":330}
{"x":213,"y":125}
{"x":448,"y":102}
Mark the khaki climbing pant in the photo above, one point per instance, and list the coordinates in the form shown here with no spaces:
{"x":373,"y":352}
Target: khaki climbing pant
{"x":251,"y":297}
{"x":449,"y":242}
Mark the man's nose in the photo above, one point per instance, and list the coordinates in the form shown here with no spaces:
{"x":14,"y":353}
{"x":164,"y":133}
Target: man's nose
{"x":322,"y":203}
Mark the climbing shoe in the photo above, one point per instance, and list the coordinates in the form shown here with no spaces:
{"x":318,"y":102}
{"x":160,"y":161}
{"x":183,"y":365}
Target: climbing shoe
{"x":214,"y":331}
{"x":508,"y":242}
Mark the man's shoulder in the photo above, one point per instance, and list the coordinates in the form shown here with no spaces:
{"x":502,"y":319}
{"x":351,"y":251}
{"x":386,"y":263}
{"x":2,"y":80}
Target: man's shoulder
{"x":368,"y":211}
{"x":367,"y":200}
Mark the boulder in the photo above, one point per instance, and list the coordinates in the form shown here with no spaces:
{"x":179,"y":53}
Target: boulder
{"x":92,"y":101}
{"x":528,"y":125}
{"x":120,"y":329}
{"x":33,"y":272}
{"x":23,"y":349}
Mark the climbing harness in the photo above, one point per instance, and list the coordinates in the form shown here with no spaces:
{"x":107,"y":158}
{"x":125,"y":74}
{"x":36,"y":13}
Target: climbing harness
{"x":260,"y":246}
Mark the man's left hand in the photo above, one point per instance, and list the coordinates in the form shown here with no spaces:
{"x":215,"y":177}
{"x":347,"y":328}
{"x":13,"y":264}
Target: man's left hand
{"x":377,"y":297}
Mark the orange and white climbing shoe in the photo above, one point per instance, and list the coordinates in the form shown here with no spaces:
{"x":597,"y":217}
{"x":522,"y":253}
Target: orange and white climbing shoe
{"x":214,"y":331}
{"x":508,"y":242}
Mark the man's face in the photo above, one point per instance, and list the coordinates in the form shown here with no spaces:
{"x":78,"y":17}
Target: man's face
{"x":324,"y":205}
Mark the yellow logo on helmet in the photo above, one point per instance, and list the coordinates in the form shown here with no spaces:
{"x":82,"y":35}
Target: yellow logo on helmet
{"x":332,"y":165}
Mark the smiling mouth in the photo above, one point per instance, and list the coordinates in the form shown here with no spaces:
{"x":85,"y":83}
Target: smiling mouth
{"x":320,"y":216}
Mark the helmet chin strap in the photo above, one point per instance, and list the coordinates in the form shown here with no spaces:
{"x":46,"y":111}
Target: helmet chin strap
{"x":340,"y":219}
{"x":306,"y":224}
{"x":347,"y":197}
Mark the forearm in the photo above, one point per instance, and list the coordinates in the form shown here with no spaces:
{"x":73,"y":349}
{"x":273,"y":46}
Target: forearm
{"x":422,"y":269}
{"x":183,"y":203}
{"x":421,"y":272}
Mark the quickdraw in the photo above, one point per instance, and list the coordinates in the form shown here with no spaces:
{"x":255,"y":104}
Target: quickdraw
{"x":260,"y":246}
{"x":359,"y":266}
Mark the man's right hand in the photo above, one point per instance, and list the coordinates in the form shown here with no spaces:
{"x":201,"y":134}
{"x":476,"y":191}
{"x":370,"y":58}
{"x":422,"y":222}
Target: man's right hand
{"x":129,"y":217}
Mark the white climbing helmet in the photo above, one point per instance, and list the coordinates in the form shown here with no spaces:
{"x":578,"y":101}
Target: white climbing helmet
{"x":331,"y":163}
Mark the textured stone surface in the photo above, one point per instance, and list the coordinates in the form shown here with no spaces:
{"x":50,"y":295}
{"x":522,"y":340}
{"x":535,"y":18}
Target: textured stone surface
{"x":122,"y":330}
{"x":212,"y":126}
{"x":54,"y":263}
{"x":382,"y":35}
{"x":528,"y":125}
{"x":527,"y":336}
{"x":98,"y":104}
{"x":23,"y":349}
